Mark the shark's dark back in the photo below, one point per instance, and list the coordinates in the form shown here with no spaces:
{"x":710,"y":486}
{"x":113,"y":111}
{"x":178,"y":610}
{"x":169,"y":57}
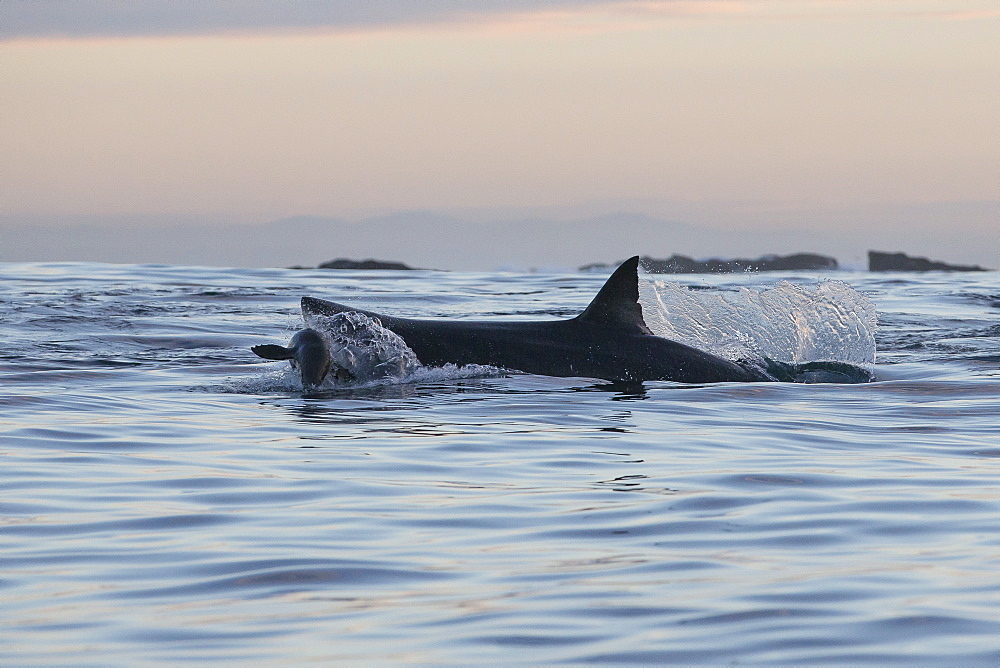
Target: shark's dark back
{"x":608,"y":340}
{"x":616,"y":305}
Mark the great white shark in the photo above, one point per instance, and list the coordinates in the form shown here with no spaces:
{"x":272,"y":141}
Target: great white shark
{"x":609,"y":340}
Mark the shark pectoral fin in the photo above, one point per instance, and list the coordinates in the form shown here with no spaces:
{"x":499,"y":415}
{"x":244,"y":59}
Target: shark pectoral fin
{"x":618,"y":301}
{"x":272,"y":352}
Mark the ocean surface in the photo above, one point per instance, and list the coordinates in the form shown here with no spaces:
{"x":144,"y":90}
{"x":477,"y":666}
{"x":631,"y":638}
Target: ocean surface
{"x":166,"y":496}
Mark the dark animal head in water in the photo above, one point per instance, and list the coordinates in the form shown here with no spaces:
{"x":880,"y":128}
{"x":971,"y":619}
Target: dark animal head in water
{"x":308,"y":352}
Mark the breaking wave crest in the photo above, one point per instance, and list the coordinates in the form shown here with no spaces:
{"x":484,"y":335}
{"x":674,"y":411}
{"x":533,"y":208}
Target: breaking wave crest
{"x":788,"y":323}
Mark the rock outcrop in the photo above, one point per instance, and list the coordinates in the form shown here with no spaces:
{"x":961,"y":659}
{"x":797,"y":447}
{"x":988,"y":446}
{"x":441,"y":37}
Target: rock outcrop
{"x":344,"y":263}
{"x":682,"y":264}
{"x":879,"y":261}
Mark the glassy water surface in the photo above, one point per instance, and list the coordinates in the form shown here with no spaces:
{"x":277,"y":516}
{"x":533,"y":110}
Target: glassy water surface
{"x":168,"y":496}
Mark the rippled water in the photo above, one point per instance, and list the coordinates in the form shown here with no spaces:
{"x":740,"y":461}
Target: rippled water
{"x":167,"y":496}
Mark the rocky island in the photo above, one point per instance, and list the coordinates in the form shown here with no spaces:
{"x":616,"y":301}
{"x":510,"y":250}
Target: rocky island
{"x":682,"y":264}
{"x":879,"y":261}
{"x":344,"y":263}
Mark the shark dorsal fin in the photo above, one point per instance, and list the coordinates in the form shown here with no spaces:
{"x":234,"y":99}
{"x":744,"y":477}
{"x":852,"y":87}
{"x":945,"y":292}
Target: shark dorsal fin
{"x":618,"y":301}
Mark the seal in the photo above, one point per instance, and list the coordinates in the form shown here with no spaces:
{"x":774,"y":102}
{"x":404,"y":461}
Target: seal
{"x":308,"y":352}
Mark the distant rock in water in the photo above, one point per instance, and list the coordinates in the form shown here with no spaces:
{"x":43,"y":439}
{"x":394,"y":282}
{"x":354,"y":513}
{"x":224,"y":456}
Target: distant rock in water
{"x":682,"y":264}
{"x":344,"y":263}
{"x":878,"y":261}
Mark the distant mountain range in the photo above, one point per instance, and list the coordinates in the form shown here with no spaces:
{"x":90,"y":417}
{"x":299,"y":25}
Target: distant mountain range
{"x":436,"y":240}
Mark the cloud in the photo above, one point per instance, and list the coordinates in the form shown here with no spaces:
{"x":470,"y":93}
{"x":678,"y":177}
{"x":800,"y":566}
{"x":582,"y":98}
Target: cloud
{"x":87,"y":19}
{"x":34,"y":19}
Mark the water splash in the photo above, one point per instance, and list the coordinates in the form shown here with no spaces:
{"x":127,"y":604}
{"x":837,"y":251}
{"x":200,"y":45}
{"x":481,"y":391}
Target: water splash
{"x":363,"y":347}
{"x":787,"y":323}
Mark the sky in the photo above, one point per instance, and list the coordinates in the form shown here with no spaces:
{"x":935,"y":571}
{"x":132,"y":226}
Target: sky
{"x":809,"y":116}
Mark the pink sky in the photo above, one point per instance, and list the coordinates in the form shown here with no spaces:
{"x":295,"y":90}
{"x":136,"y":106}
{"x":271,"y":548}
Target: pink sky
{"x":783,"y":105}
